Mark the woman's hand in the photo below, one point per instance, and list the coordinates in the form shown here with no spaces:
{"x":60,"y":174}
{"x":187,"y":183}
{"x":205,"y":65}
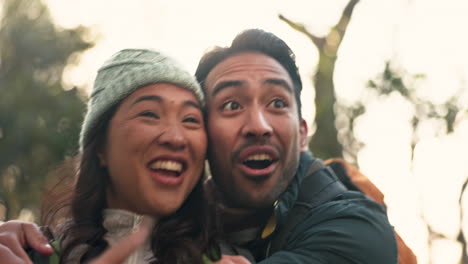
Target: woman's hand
{"x":226,"y":259}
{"x":16,"y":236}
{"x":123,"y":249}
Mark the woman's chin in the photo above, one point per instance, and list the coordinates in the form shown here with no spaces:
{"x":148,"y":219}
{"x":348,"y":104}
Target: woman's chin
{"x":163,"y":211}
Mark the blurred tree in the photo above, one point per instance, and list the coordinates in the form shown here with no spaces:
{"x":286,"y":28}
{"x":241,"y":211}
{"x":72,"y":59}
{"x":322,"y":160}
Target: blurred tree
{"x":2,"y":207}
{"x":461,"y":236}
{"x":331,"y":116}
{"x":394,"y":80}
{"x":324,"y":143}
{"x":39,"y":120}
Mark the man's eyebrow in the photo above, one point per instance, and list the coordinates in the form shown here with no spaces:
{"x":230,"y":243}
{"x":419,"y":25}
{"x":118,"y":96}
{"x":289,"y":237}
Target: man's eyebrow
{"x":148,"y":98}
{"x":280,"y":82}
{"x":223,"y":85}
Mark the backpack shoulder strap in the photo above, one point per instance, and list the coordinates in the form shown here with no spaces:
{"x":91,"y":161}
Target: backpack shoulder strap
{"x":319,"y":186}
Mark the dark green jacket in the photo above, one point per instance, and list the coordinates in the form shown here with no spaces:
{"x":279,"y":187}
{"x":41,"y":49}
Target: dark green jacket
{"x":348,"y":229}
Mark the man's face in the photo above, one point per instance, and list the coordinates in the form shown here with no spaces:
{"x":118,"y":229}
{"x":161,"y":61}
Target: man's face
{"x":255,"y":135}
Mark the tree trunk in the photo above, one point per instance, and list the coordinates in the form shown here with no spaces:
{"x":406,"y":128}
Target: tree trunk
{"x":324,"y":143}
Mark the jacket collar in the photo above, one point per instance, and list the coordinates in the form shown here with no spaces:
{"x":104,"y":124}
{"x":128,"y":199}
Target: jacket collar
{"x":287,"y":200}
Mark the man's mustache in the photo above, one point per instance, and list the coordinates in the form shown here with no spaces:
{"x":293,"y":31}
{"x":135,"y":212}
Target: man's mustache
{"x":256,"y":143}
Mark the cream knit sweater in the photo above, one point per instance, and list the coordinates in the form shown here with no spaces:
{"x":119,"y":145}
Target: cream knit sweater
{"x":119,"y":224}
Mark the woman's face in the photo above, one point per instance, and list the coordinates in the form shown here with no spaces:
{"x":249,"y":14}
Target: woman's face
{"x":155,"y":150}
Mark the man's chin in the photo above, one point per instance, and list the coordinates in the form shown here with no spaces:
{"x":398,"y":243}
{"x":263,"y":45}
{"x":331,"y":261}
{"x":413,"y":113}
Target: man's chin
{"x":249,"y":202}
{"x":254,"y":195}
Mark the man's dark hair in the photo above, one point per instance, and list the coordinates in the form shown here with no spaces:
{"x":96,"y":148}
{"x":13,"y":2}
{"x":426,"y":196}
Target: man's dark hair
{"x":255,"y":40}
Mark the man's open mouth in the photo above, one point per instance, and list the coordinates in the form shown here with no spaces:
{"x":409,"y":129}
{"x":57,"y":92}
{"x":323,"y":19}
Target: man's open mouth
{"x":258,"y":161}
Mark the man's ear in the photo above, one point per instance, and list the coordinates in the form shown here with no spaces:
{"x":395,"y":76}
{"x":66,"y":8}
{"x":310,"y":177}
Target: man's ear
{"x":303,"y":139}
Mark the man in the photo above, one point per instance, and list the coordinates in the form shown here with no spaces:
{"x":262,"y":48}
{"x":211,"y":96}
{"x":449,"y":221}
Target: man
{"x":259,"y":162}
{"x":258,"y":158}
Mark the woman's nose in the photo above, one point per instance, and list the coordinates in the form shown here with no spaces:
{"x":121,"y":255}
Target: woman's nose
{"x":173,"y":137}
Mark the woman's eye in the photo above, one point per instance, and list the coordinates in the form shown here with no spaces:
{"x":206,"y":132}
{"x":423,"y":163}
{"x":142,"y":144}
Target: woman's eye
{"x":192,"y":120}
{"x":278,"y":103}
{"x":231,"y":106}
{"x":149,"y":114}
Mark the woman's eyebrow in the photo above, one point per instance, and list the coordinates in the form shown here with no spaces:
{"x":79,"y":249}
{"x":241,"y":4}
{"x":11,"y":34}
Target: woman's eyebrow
{"x":148,"y":98}
{"x":159,"y":99}
{"x":191,"y":103}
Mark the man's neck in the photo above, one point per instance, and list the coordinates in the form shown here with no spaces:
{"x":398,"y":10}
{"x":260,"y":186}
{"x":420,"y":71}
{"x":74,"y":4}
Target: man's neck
{"x":237,"y":218}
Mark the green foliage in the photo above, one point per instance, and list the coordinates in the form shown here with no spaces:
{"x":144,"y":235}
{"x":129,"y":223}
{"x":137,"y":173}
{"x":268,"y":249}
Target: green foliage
{"x":392,"y":81}
{"x":345,"y":124}
{"x":39,"y":120}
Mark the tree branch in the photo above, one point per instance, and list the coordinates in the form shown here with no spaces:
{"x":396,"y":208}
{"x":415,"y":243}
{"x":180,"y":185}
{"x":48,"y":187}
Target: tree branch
{"x":342,"y":24}
{"x":461,"y":236}
{"x":319,"y":42}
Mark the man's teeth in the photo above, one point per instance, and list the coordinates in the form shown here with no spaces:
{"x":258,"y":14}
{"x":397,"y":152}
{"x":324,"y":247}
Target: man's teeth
{"x":167,"y":165}
{"x":257,"y":157}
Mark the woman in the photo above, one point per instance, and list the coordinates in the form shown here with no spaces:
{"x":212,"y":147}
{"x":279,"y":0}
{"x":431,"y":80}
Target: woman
{"x":142,"y":151}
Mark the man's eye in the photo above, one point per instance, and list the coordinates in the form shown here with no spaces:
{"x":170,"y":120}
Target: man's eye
{"x":278,"y":103}
{"x":231,"y":106}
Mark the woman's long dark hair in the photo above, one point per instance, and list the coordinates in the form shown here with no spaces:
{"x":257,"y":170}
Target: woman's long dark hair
{"x":182,"y":237}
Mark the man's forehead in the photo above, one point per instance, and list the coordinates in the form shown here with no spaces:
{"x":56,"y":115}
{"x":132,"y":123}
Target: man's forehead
{"x":245,"y":64}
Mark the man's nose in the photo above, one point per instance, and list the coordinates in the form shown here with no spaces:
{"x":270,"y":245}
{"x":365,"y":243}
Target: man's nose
{"x":256,"y":125}
{"x":173,"y":137}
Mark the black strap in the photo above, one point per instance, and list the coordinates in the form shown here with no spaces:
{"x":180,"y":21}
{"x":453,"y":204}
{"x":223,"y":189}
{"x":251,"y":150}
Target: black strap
{"x":343,"y":176}
{"x":319,"y":186}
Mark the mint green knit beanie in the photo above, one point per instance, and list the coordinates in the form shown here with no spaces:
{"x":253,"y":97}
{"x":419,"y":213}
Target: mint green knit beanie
{"x":126,"y":71}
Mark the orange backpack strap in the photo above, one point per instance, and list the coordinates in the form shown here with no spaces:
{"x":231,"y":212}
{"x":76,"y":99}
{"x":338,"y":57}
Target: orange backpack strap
{"x":405,"y":254}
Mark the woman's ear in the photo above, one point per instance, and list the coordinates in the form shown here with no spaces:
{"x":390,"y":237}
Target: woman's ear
{"x":102,"y":156}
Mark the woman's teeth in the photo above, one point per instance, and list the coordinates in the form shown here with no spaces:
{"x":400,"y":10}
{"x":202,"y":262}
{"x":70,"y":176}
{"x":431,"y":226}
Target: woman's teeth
{"x":168,"y":165}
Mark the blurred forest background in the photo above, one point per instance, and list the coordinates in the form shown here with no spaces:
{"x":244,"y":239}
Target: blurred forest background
{"x":40,"y":117}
